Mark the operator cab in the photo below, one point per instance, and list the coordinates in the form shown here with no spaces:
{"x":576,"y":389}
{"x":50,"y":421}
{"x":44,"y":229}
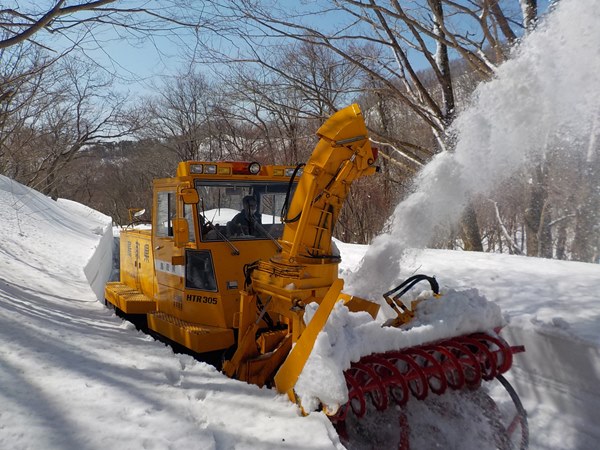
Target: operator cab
{"x":210,"y":222}
{"x":236,"y":201}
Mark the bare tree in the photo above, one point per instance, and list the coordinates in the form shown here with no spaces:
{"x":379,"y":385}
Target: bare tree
{"x":56,"y":116}
{"x":378,"y":36}
{"x":288,"y":93}
{"x":67,"y":109}
{"x":53,"y":29}
{"x":180,"y":116}
{"x":78,"y":20}
{"x":381,"y":39}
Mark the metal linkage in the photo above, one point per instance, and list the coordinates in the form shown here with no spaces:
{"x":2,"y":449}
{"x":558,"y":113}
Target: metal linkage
{"x":453,"y":363}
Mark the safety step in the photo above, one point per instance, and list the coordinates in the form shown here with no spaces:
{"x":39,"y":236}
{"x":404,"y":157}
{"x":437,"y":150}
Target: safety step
{"x":199,"y":338}
{"x":128,"y":299}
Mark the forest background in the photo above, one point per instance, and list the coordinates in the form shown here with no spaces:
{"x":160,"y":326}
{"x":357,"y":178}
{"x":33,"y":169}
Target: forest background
{"x":253,"y":80}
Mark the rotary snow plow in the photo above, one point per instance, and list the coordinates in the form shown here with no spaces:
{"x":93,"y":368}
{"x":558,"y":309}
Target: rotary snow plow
{"x":237,"y":254}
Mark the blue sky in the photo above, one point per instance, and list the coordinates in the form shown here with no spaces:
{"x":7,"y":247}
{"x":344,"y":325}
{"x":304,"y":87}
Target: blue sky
{"x":141,"y":62}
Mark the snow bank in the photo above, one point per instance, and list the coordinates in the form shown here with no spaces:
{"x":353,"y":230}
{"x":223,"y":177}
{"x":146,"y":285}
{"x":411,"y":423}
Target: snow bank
{"x":100,"y":265}
{"x":36,"y":229}
{"x":551,"y":307}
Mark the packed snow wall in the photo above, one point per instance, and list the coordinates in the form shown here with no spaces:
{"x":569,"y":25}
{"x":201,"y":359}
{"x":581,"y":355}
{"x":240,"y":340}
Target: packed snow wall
{"x":99,"y":268}
{"x":57,"y":230}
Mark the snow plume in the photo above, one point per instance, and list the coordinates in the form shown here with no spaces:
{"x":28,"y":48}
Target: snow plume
{"x":546,"y":97}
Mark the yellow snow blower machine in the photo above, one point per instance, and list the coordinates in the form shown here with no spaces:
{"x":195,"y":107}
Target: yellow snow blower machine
{"x":236,"y":253}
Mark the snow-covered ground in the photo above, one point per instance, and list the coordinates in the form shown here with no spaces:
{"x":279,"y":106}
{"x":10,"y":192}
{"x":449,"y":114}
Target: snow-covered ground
{"x":75,"y":376}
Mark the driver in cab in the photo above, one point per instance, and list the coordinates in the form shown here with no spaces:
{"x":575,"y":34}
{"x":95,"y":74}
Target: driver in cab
{"x":246,"y":222}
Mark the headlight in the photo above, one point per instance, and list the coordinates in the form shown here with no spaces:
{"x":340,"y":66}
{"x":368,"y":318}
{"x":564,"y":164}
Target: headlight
{"x":254,"y":168}
{"x":210,"y":168}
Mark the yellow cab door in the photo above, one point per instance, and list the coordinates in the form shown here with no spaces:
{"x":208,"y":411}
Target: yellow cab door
{"x":169,"y":260}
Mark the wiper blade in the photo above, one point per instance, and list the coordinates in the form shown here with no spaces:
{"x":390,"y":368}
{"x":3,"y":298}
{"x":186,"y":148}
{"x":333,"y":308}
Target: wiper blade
{"x":261,"y":228}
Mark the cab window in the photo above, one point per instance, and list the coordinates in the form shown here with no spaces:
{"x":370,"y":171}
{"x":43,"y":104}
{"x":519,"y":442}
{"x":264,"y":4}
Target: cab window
{"x":242,"y":210}
{"x":188,"y":215}
{"x":166,"y":211}
{"x":199,"y":271}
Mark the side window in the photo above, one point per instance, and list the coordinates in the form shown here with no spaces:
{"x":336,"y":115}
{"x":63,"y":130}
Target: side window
{"x":199,"y":271}
{"x":166,"y":214}
{"x":188,"y":214}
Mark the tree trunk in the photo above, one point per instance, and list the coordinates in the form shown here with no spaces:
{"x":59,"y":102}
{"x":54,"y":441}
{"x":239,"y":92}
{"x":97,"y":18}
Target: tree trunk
{"x":443,"y":63}
{"x":561,"y":241}
{"x":529,"y":11}
{"x":537,"y":216}
{"x":586,"y":241}
{"x":470,"y":233}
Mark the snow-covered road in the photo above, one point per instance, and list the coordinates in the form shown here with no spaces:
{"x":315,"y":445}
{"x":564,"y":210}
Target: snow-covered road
{"x":74,"y":376}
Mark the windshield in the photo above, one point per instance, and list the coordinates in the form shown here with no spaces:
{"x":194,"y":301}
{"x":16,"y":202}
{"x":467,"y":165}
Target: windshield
{"x":241,"y":209}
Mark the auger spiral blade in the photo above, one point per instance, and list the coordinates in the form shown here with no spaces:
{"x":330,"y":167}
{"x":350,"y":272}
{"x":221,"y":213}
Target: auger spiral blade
{"x":386,"y":382}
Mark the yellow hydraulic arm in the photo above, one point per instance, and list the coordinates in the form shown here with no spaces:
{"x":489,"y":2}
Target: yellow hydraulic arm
{"x":306,"y":270}
{"x":342,"y":155}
